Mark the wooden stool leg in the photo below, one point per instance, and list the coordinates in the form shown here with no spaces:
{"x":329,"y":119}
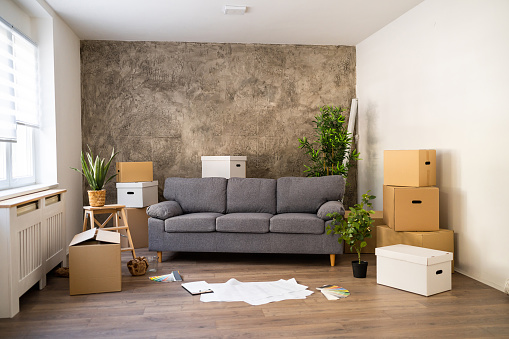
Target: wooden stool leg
{"x":92,"y":219}
{"x":129,"y":239}
{"x":85,"y":221}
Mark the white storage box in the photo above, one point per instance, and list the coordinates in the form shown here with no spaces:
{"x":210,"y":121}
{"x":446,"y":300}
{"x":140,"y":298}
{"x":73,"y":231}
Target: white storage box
{"x":414,"y":269}
{"x":137,"y":194}
{"x":223,"y":166}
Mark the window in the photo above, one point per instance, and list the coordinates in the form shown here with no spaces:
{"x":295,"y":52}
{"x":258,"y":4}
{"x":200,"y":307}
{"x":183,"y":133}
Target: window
{"x":19,"y":107}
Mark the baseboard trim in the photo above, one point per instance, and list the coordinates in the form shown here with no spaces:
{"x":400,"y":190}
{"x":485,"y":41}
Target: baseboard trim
{"x":482,"y":281}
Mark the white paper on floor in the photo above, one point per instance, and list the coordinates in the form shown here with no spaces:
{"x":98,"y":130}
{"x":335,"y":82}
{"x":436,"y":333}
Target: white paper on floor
{"x":256,"y":293}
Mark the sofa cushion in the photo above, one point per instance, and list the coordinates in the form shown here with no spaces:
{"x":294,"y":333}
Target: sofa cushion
{"x":244,"y":223}
{"x":164,"y":210}
{"x":330,"y":207}
{"x":297,"y":223}
{"x":306,"y":195}
{"x":197,"y":194}
{"x":244,"y":195}
{"x":193,"y":222}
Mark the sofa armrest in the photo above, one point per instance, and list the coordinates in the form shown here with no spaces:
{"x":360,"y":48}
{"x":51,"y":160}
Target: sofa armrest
{"x":164,"y":210}
{"x":330,"y":207}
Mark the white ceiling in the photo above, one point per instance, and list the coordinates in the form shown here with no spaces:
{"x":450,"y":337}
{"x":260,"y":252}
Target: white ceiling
{"x":309,"y":22}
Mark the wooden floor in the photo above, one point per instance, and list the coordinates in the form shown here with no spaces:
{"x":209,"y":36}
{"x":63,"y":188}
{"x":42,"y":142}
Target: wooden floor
{"x":147,"y":309}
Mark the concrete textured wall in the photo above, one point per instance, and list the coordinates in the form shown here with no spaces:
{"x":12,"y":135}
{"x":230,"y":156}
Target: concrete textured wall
{"x":171,"y":103}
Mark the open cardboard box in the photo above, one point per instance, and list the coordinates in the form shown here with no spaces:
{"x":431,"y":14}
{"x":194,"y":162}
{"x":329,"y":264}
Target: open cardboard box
{"x":94,"y":262}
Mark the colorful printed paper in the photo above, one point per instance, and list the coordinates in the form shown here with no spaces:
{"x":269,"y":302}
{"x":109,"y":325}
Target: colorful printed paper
{"x":334,"y":292}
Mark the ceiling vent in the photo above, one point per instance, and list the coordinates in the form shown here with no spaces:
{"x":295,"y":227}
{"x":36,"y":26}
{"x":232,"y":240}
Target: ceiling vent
{"x":234,"y":10}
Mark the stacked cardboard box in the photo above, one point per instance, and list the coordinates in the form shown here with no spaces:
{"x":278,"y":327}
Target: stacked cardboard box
{"x":411,"y":202}
{"x":136,"y":189}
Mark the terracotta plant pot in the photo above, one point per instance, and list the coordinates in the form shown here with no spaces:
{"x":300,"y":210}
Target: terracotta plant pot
{"x":359,"y":269}
{"x":97,"y":198}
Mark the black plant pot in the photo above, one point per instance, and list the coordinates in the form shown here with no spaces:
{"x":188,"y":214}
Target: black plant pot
{"x":359,"y":269}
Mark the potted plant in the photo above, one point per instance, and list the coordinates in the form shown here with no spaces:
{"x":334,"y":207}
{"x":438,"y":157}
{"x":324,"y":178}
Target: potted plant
{"x":332,"y":146}
{"x":95,"y":171}
{"x":354,"y":229}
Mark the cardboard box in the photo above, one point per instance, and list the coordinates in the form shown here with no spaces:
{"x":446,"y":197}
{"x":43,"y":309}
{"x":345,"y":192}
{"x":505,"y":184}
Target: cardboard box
{"x":223,"y":166}
{"x":94,"y":262}
{"x":137,"y":194}
{"x":370,"y":248}
{"x":442,"y":240}
{"x":411,"y":208}
{"x":410,"y":168}
{"x":135,"y":171}
{"x":414,"y":269}
{"x":137,"y":219}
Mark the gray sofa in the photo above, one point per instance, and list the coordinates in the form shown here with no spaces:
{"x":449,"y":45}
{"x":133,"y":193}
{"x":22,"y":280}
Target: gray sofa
{"x":248,"y":215}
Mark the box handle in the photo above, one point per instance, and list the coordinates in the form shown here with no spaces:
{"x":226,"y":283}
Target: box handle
{"x":416,"y":201}
{"x":427,"y":163}
{"x":238,"y":165}
{"x":439,"y":272}
{"x":130,"y":192}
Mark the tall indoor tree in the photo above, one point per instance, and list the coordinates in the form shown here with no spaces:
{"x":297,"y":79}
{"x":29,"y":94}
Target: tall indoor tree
{"x":332,"y":146}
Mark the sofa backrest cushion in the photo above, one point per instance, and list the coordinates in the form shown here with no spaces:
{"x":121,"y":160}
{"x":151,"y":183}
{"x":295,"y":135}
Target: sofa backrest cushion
{"x":251,"y":195}
{"x":306,"y":195}
{"x":197,"y":194}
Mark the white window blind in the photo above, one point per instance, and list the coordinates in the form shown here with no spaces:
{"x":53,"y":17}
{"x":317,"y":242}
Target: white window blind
{"x":19,"y":89}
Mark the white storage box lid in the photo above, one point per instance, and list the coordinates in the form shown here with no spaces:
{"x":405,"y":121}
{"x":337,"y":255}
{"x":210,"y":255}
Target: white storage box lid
{"x":224,"y":158}
{"x":140,"y":184}
{"x":414,"y":254}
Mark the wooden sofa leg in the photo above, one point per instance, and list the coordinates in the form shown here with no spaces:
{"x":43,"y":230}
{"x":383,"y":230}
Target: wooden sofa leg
{"x":159,"y":256}
{"x":332,"y":259}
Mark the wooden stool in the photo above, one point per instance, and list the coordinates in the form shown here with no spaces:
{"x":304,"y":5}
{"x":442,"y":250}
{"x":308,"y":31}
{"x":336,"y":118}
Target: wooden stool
{"x":112,"y":210}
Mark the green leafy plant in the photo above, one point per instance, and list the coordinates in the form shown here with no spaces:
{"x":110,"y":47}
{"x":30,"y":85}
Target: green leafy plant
{"x":356,"y":228}
{"x":332,"y":147}
{"x":95,"y":170}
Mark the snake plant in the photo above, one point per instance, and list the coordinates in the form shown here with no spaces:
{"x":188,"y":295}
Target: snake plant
{"x":95,"y":170}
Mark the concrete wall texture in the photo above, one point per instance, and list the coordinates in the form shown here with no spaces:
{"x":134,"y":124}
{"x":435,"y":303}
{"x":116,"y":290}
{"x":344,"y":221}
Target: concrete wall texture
{"x":172,"y":103}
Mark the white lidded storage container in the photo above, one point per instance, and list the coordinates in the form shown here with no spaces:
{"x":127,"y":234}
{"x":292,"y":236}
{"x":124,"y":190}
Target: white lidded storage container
{"x":223,"y":166}
{"x":137,"y":194}
{"x":414,"y":269}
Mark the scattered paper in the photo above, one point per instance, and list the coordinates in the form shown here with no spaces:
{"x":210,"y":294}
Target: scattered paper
{"x":256,"y":293}
{"x":197,"y":287}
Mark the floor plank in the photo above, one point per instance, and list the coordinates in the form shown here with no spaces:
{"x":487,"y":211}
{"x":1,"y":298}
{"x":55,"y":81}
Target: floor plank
{"x":147,"y":309}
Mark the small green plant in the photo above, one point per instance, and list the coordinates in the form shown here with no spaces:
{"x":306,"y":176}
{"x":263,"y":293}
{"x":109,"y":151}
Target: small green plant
{"x":332,"y":147}
{"x":356,"y":227}
{"x":95,"y":170}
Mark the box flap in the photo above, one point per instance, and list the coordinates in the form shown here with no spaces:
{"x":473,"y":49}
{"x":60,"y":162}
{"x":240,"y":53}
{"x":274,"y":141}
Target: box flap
{"x":108,"y":236}
{"x":414,"y":254}
{"x":83,"y":236}
{"x":138,"y":184}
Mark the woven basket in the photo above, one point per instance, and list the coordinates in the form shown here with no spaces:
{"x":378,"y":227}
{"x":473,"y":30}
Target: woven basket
{"x":137,"y":266}
{"x":97,"y":198}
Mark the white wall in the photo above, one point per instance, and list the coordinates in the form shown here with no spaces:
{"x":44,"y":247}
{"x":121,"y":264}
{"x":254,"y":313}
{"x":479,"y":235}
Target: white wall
{"x":438,"y":78}
{"x":68,"y":121}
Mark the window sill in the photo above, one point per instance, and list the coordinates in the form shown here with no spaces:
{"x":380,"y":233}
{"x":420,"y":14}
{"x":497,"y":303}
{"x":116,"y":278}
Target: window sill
{"x":17,"y":192}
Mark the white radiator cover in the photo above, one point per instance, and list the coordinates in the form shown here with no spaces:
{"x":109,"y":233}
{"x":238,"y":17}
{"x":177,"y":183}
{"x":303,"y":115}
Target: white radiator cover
{"x":32,"y":243}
